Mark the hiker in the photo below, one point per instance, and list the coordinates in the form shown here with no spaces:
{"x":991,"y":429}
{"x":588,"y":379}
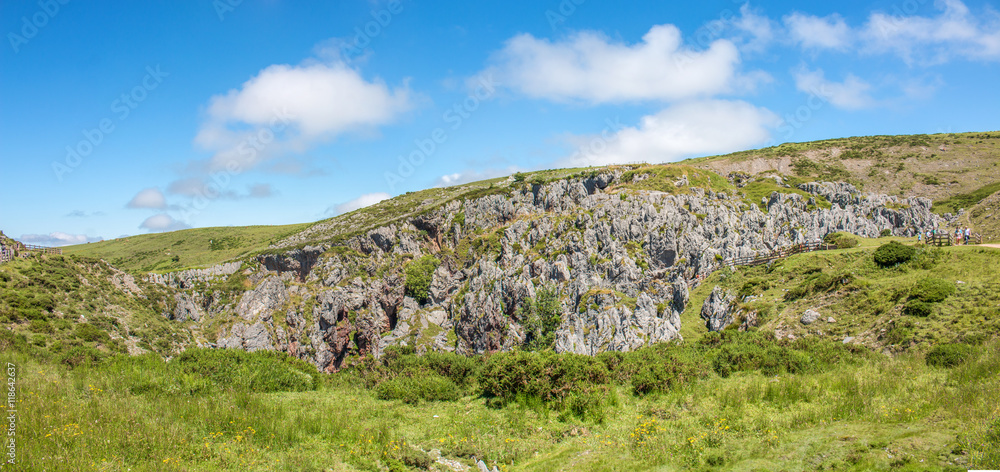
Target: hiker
{"x":958,"y":236}
{"x":968,"y":234}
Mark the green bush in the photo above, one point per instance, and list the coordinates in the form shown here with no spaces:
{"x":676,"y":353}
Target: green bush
{"x":893,"y":253}
{"x":419,"y":274}
{"x":10,"y":341}
{"x":91,"y":333}
{"x":415,"y":386}
{"x":544,"y":318}
{"x":885,"y":233}
{"x":932,"y":290}
{"x":842,"y":240}
{"x":949,"y":355}
{"x":548,"y":376}
{"x":918,"y":308}
{"x":82,"y":356}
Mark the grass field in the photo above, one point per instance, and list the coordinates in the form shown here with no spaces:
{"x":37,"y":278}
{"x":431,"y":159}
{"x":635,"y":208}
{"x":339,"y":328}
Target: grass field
{"x":874,"y":413}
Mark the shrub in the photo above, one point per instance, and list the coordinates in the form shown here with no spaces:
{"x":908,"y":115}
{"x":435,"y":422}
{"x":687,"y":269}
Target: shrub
{"x":842,"y":240}
{"x":548,"y":376}
{"x":415,"y":386}
{"x":893,"y":253}
{"x":949,"y":355}
{"x":885,"y":232}
{"x":10,"y":341}
{"x":544,"y":318}
{"x":932,"y":290}
{"x":82,"y":356}
{"x":419,"y":274}
{"x":918,"y":308}
{"x":91,"y":333}
{"x":519,"y":177}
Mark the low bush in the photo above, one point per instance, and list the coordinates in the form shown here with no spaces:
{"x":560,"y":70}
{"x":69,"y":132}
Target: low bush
{"x":949,"y":355}
{"x":82,"y":356}
{"x":932,"y":290}
{"x":419,"y":274}
{"x":842,"y":240}
{"x":893,"y":254}
{"x":414,"y":387}
{"x":918,"y":308}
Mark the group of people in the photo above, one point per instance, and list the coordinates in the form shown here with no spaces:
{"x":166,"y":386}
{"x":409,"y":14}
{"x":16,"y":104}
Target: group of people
{"x":962,"y":235}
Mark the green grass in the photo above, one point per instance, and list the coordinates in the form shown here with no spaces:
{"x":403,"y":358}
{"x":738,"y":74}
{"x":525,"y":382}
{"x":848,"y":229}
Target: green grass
{"x":866,"y":300}
{"x":873,"y":413}
{"x":190,"y":248}
{"x":965,"y":200}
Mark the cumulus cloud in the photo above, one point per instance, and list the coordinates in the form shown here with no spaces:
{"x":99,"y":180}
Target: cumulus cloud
{"x":287,"y":108}
{"x":851,"y":94}
{"x":57,"y":238}
{"x":684,"y":130}
{"x":954,"y":33}
{"x":161,"y":223}
{"x":813,"y":32}
{"x":367,"y":199}
{"x":148,"y":198}
{"x":591,"y":67}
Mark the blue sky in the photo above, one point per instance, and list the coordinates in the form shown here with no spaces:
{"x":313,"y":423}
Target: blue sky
{"x":130,"y":117}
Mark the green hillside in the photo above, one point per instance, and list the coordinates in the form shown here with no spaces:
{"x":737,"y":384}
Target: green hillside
{"x":200,"y":247}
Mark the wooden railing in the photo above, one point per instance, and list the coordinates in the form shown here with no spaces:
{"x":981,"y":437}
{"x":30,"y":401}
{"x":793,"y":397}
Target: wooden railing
{"x":42,"y":249}
{"x":948,"y":239}
{"x":8,"y":253}
{"x":778,"y":254}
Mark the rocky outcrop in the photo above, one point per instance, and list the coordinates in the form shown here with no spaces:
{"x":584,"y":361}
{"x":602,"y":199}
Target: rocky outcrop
{"x":620,"y":267}
{"x":717,"y":311}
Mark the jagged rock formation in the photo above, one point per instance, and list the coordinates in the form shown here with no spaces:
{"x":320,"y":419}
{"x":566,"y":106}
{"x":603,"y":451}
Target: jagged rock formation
{"x":620,"y":262}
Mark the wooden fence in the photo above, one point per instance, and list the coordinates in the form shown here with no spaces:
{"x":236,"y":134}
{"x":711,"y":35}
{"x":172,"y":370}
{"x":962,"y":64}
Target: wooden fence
{"x":778,"y":254}
{"x":948,"y":239}
{"x":8,"y":253}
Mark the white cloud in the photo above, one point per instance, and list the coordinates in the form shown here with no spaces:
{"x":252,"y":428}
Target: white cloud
{"x":367,"y":199}
{"x":758,"y":31}
{"x":680,"y":131}
{"x":161,"y":223}
{"x":813,"y":32}
{"x":84,"y":214}
{"x":956,"y":32}
{"x":288,"y":108}
{"x":591,"y":67}
{"x":148,"y":198}
{"x":57,"y":239}
{"x":851,"y":94}
{"x":472,"y":175}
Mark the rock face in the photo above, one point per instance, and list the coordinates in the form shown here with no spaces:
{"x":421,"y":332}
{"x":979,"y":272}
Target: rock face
{"x":718,"y":309}
{"x":619,"y":269}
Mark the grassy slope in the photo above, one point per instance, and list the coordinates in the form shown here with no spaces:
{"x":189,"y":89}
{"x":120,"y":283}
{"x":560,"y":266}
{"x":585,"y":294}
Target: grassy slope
{"x":201,"y":247}
{"x":887,"y":413}
{"x":872,"y":300}
{"x":936,"y":166}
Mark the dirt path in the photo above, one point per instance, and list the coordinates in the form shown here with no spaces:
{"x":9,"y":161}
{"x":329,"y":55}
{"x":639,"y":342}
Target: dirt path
{"x":997,"y":246}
